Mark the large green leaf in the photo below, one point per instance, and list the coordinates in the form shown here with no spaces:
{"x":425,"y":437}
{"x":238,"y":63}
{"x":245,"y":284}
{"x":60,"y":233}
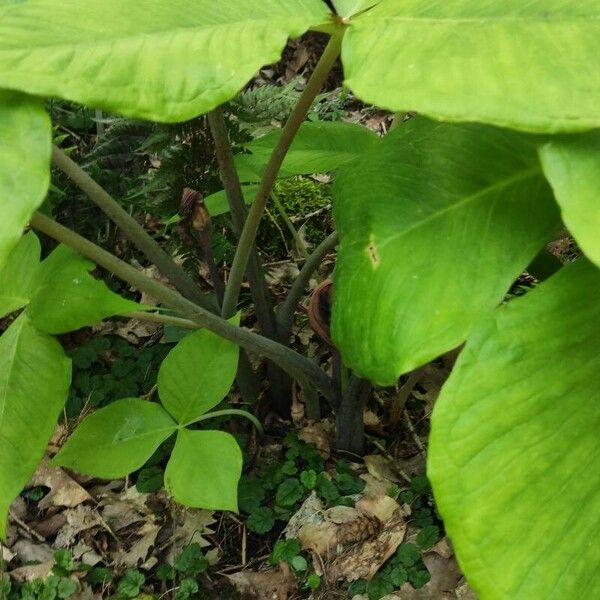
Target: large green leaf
{"x":116,"y":440}
{"x":217,"y":203}
{"x":514,"y":455}
{"x":347,"y":8}
{"x":319,"y":147}
{"x":34,"y":381}
{"x":204,"y":470}
{"x":25,"y":143}
{"x":434,"y":226}
{"x":166,"y":61}
{"x":197,"y":374}
{"x":69,"y":298}
{"x":572,"y":165}
{"x":509,"y":63}
{"x":20,"y":275}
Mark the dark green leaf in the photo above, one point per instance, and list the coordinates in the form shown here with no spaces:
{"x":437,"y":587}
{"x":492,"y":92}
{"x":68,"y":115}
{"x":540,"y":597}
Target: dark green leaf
{"x":289,"y":492}
{"x":251,"y":493}
{"x":408,"y":554}
{"x":130,"y":583}
{"x":261,"y":520}
{"x":191,"y":561}
{"x":428,"y":536}
{"x":285,"y":551}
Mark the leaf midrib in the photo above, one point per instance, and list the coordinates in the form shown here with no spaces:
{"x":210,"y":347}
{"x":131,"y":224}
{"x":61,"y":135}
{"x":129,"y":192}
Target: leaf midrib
{"x":532,"y":172}
{"x":530,"y":20}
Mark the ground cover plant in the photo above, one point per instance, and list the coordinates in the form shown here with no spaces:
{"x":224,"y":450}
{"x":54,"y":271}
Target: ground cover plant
{"x":434,"y":222}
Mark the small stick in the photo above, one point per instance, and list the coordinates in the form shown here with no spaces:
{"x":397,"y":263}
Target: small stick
{"x":413,"y":431}
{"x":32,"y":532}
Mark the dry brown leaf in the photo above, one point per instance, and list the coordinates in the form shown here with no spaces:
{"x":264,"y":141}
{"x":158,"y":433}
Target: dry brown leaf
{"x":49,"y":526}
{"x":5,"y":553}
{"x":79,"y":519}
{"x":320,"y":435}
{"x":464,"y":591}
{"x":311,"y":511}
{"x":375,"y":486}
{"x":443,"y":548}
{"x":138,"y":554}
{"x":190,"y":525}
{"x":132,"y":330}
{"x":123,"y":509}
{"x":275,"y":584}
{"x":365,"y":559}
{"x":445,"y":573}
{"x":383,"y":507}
{"x":64,"y":491}
{"x":30,"y":552}
{"x":31,"y":572}
{"x":83,"y":553}
{"x":382,"y":468}
{"x":339,"y":526}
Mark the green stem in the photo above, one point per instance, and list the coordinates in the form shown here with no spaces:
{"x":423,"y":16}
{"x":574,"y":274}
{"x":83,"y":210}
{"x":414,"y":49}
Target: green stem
{"x":132,"y":229}
{"x":227,"y":412}
{"x":246,"y":241}
{"x":300,"y":245}
{"x":292,"y":362}
{"x":153,"y":317}
{"x":285,"y":312}
{"x":233,"y":190}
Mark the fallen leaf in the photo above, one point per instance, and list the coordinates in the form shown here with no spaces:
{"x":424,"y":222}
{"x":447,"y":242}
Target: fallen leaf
{"x":319,"y":435}
{"x":189,"y":525}
{"x":64,"y":491}
{"x":364,"y":560}
{"x":138,"y":553}
{"x":6,"y":554}
{"x":124,"y":509}
{"x":31,"y":572}
{"x":30,"y":552}
{"x":383,"y":507}
{"x":275,"y":584}
{"x":382,"y":468}
{"x":79,"y":519}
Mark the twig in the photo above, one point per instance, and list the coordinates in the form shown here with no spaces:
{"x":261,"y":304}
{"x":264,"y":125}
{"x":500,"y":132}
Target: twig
{"x":413,"y":432}
{"x":32,"y":532}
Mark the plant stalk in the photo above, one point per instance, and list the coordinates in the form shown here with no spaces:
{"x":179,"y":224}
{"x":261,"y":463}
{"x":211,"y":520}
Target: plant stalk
{"x":285,"y":312}
{"x":235,"y":197}
{"x":298,"y":241}
{"x":246,"y":241}
{"x":226,"y":412}
{"x":280,"y":383}
{"x":292,"y":362}
{"x":153,"y":317}
{"x":349,"y":420}
{"x":132,"y":230}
